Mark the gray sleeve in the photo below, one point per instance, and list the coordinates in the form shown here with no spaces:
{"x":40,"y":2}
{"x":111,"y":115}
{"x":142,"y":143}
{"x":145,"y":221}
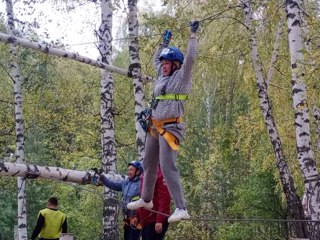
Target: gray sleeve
{"x":190,"y":58}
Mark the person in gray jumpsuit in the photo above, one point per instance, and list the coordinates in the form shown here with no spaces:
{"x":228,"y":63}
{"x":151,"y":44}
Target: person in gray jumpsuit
{"x":170,"y":92}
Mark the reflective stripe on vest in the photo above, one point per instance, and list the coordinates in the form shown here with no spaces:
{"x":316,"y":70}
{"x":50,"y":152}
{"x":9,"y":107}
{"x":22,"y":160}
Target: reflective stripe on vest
{"x":177,"y":97}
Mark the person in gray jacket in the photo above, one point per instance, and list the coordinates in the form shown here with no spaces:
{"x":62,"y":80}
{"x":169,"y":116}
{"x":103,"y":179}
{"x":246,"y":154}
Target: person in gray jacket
{"x":162,"y":142}
{"x":130,"y":188}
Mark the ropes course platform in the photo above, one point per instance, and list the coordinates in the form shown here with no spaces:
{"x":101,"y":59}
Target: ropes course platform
{"x":67,"y":236}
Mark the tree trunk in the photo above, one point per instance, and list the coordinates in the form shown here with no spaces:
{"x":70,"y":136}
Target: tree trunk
{"x":135,"y":73}
{"x":45,"y":48}
{"x":108,"y":143}
{"x":316,"y":114}
{"x":15,"y":75}
{"x":292,"y":199}
{"x":52,"y":173}
{"x":302,"y":120}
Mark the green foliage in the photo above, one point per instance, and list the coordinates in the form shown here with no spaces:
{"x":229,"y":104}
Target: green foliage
{"x":8,"y":207}
{"x":256,"y":198}
{"x":226,"y":162}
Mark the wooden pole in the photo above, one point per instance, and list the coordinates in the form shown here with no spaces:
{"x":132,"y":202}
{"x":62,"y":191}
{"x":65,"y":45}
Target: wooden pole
{"x":45,"y":48}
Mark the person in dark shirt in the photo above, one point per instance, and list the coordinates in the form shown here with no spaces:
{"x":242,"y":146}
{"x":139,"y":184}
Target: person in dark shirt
{"x":155,"y":224}
{"x":51,"y":222}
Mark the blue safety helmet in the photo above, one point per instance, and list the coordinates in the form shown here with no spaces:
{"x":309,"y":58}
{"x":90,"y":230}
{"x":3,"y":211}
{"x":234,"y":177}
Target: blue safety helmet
{"x":136,"y":164}
{"x":171,"y":54}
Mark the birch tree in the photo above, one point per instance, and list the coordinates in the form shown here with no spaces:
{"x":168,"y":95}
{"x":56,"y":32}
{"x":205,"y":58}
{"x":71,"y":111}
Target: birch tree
{"x":306,"y":159}
{"x":108,"y":143}
{"x":46,"y":48}
{"x":316,"y":115}
{"x":263,"y":80}
{"x":135,"y":73}
{"x":19,"y":153}
{"x":32,"y":171}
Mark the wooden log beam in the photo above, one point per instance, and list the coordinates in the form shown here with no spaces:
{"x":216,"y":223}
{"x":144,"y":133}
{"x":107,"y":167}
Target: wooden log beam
{"x":52,"y":173}
{"x":45,"y":48}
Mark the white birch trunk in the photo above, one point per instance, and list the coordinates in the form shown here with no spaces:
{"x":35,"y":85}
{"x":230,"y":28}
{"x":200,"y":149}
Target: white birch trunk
{"x":19,"y":154}
{"x":316,"y":114}
{"x":293,"y":201}
{"x":135,"y":73}
{"x":275,"y":55}
{"x":306,"y":159}
{"x":51,"y":173}
{"x":45,"y":48}
{"x":108,"y":143}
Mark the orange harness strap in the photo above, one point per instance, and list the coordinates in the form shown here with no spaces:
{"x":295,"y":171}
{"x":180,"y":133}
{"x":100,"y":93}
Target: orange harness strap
{"x":171,"y":139}
{"x":128,"y":222}
{"x":161,"y":123}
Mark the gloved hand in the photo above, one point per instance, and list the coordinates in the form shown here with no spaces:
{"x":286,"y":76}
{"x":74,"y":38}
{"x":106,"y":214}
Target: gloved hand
{"x":95,"y":177}
{"x":166,"y":37}
{"x":194,"y":25}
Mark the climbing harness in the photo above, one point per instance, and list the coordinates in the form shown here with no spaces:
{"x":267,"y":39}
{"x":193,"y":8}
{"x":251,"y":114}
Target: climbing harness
{"x":166,"y":96}
{"x":177,"y":97}
{"x":144,"y":119}
{"x":129,"y":219}
{"x":171,"y":139}
{"x":147,"y":121}
{"x":128,"y":222}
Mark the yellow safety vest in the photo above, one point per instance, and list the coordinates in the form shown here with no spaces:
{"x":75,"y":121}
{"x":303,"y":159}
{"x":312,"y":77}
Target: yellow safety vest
{"x":52,"y":224}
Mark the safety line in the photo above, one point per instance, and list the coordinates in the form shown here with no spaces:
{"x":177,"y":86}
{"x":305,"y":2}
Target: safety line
{"x":198,"y":219}
{"x":113,"y":40}
{"x":76,"y":185}
{"x":211,"y":18}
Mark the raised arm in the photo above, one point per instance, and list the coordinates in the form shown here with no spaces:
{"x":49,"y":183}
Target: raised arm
{"x":191,"y":50}
{"x":117,"y":186}
{"x":166,"y":37}
{"x":156,"y":61}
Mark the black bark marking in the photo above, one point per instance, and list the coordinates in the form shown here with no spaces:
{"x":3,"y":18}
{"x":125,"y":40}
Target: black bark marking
{"x":132,"y":67}
{"x":296,"y":90}
{"x":291,"y":15}
{"x":303,"y":134}
{"x":3,"y":167}
{"x":296,"y":23}
{"x":294,"y":65}
{"x":303,"y":149}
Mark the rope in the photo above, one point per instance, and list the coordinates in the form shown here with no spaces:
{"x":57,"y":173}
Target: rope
{"x":211,"y":18}
{"x":193,"y":219}
{"x":76,"y":185}
{"x":117,"y":39}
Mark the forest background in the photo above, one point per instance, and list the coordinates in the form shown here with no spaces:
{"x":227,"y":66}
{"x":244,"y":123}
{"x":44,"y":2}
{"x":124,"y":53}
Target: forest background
{"x":226,"y":162}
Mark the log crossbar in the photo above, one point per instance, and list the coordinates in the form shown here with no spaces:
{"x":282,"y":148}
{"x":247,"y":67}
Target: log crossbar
{"x":45,"y":48}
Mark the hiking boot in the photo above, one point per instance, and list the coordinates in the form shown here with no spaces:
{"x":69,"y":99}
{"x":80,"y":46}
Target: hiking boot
{"x":139,"y":204}
{"x":178,"y":215}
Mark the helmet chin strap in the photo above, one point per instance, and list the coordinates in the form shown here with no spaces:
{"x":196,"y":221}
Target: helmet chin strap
{"x":135,"y":173}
